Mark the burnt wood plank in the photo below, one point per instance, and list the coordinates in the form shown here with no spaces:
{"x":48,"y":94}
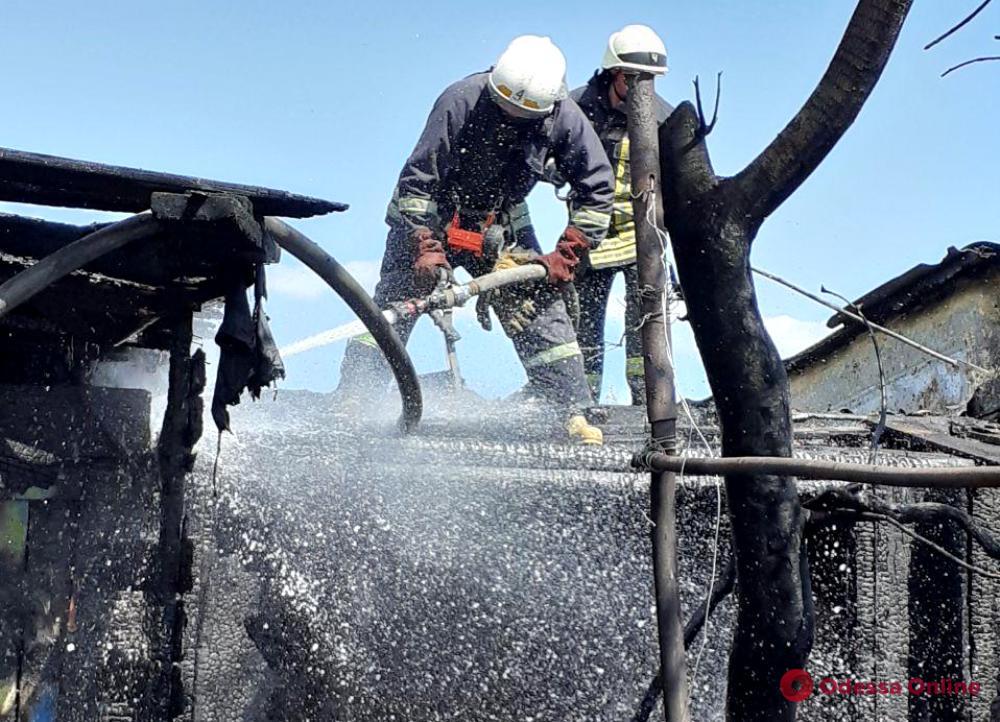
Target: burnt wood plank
{"x":52,"y":180}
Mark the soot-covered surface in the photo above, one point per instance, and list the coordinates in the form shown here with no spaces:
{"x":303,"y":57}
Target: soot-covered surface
{"x":481,"y":570}
{"x":474,"y":572}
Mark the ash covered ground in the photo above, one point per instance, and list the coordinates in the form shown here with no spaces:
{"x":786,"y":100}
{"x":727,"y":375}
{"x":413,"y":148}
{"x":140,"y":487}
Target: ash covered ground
{"x":482,"y":569}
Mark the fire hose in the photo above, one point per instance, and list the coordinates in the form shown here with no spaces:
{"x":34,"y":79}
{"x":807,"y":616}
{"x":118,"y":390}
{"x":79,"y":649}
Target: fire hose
{"x":448,"y":297}
{"x":440,"y":304}
{"x":360,"y":302}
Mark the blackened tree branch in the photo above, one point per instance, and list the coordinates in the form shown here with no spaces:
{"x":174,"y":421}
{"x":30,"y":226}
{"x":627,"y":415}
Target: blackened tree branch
{"x":831,"y":109}
{"x":984,"y":59}
{"x":867,"y":516}
{"x":706,"y":125}
{"x":959,"y":26}
{"x":848,"y":499}
{"x":712,"y":224}
{"x":711,"y":241}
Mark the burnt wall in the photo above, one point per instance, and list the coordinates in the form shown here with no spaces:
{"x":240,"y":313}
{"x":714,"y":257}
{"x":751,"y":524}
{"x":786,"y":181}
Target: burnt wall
{"x":78,"y":521}
{"x":482,"y":571}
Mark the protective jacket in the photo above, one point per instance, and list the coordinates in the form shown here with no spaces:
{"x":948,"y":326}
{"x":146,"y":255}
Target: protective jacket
{"x":473,"y":158}
{"x":618,"y":249}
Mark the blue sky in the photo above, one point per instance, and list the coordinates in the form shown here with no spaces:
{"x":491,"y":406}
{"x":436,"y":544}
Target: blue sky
{"x":327,"y":99}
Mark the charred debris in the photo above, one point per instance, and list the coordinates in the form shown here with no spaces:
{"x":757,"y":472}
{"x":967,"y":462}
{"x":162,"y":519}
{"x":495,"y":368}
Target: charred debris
{"x":95,"y":558}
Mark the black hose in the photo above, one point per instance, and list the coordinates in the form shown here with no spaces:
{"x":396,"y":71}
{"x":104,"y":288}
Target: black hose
{"x":71,"y":257}
{"x":337,"y":277}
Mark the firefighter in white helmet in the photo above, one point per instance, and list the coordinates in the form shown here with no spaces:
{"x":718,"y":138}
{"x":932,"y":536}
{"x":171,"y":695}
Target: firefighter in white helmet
{"x":633,"y":49}
{"x":460,"y":201}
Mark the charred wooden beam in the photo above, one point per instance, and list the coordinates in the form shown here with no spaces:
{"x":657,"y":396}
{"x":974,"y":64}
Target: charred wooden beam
{"x":55,"y":181}
{"x":152,"y":264}
{"x":181,"y":429}
{"x":37,"y":278}
{"x":201,"y":234}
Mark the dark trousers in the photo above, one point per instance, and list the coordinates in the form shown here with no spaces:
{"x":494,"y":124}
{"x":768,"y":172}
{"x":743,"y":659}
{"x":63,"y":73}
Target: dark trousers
{"x":534,"y":317}
{"x":594,"y":289}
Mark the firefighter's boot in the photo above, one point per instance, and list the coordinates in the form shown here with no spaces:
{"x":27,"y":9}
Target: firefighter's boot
{"x":582,"y":431}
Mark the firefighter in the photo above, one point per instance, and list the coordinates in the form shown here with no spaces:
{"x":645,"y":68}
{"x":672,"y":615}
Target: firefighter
{"x":632,"y":49}
{"x":484,"y":147}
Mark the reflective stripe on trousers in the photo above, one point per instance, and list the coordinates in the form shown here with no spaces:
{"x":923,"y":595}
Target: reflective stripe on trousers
{"x":554,"y":354}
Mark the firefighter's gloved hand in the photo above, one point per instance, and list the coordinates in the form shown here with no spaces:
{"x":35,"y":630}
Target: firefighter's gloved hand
{"x":430,"y":257}
{"x":562,"y":262}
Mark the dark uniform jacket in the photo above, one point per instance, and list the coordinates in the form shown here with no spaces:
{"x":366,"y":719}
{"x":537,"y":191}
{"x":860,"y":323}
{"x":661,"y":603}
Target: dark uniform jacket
{"x":472,"y":157}
{"x":611,"y":126}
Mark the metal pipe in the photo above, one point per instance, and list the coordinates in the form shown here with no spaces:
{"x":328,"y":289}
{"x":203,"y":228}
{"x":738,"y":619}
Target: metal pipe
{"x":661,"y":407}
{"x":337,"y":277}
{"x":965,"y":477}
{"x":71,"y":257}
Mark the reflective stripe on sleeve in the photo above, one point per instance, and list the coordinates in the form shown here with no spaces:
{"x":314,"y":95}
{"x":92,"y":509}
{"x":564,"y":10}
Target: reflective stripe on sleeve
{"x":587,"y":219}
{"x":415,"y":206}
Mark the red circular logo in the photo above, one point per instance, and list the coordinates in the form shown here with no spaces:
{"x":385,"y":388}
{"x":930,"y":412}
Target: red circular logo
{"x":796,"y":685}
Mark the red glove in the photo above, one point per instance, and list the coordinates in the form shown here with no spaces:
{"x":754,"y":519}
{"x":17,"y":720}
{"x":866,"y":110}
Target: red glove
{"x":430,"y":257}
{"x":562,"y":262}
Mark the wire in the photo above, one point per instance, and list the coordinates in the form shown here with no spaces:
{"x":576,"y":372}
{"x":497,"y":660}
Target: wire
{"x":880,"y":427}
{"x":887,"y":331}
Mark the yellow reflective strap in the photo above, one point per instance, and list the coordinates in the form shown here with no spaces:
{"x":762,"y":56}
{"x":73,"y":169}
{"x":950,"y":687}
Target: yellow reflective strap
{"x":634,"y":366}
{"x":614,"y":250}
{"x":623,"y":186}
{"x":556,"y":353}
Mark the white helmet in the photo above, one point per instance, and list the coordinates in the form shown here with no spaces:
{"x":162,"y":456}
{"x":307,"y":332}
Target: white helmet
{"x":637,"y":48}
{"x":529,"y":78}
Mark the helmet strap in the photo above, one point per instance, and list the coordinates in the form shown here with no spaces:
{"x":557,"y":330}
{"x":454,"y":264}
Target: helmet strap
{"x":614,"y":90}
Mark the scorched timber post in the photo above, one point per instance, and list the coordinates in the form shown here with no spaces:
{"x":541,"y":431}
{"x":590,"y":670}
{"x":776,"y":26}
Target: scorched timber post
{"x":661,"y":408}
